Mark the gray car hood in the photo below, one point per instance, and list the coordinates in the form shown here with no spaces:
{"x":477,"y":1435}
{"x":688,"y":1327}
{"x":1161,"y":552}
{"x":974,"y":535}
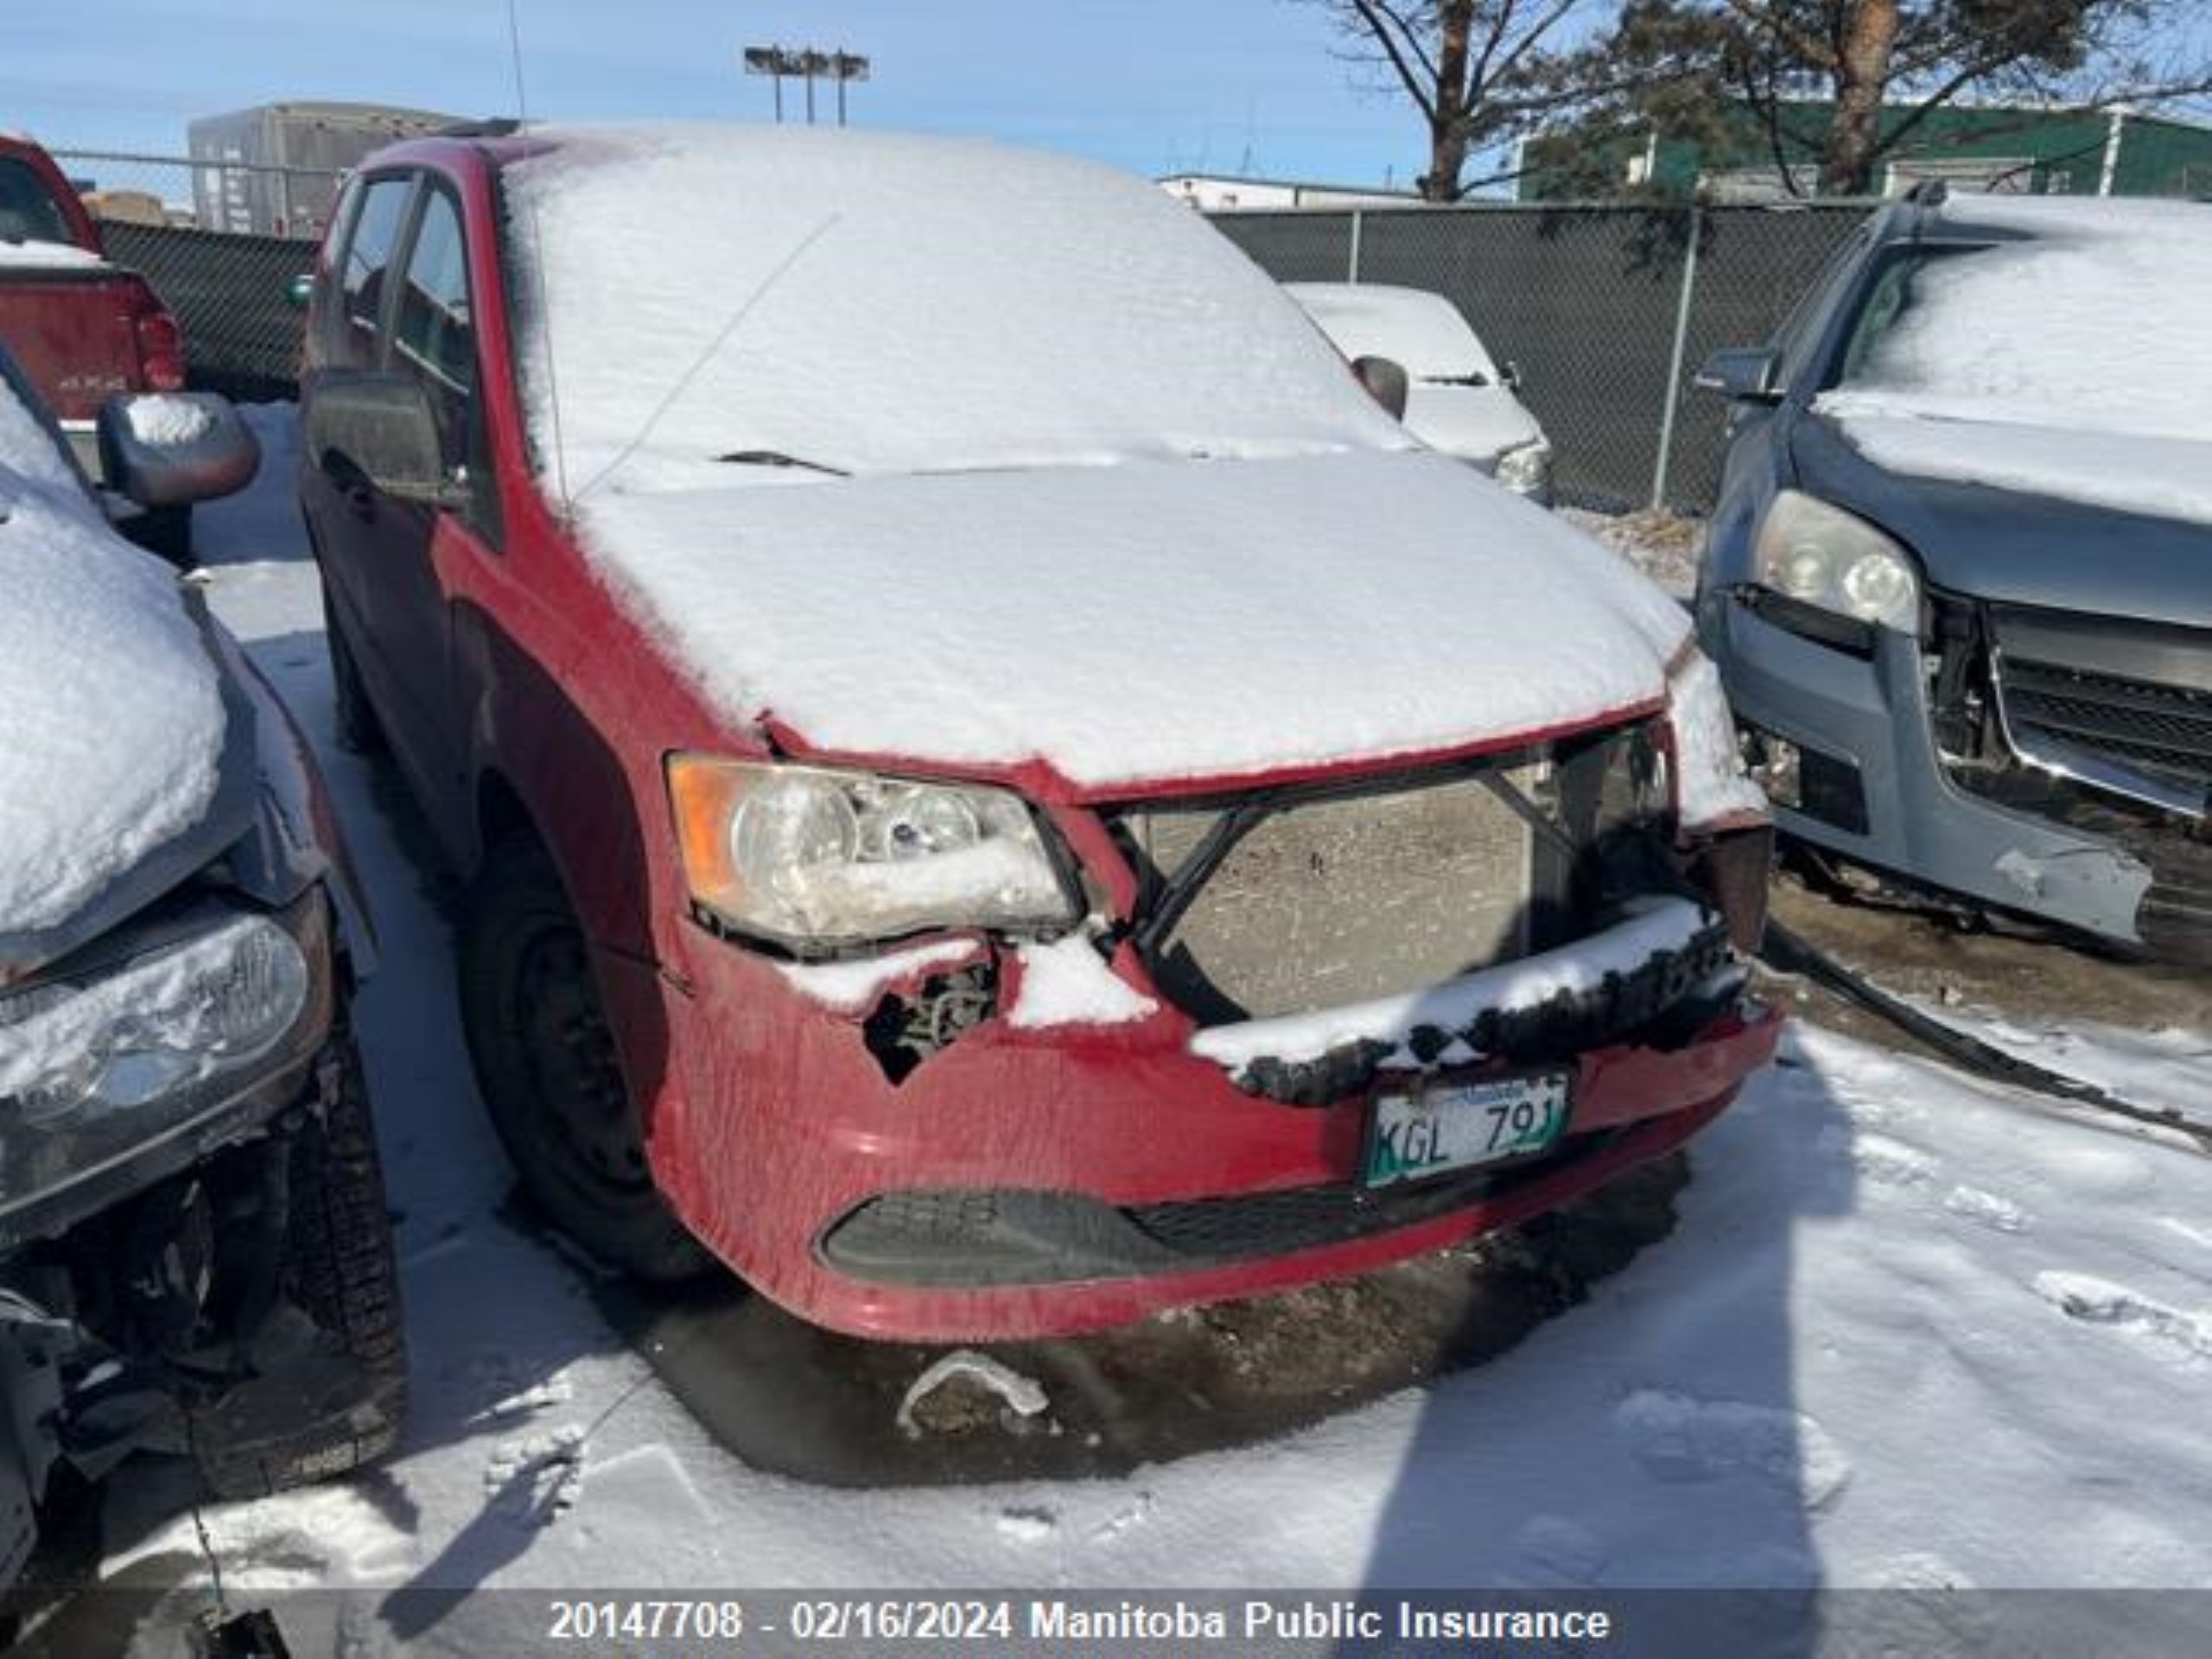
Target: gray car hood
{"x":2018,"y":548}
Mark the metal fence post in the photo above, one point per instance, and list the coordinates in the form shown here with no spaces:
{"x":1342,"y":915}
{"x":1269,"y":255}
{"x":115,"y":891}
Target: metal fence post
{"x":1358,"y":230}
{"x":1674,"y":361}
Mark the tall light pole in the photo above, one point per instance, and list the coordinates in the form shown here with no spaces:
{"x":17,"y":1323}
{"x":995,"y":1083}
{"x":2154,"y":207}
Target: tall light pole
{"x":808,"y":64}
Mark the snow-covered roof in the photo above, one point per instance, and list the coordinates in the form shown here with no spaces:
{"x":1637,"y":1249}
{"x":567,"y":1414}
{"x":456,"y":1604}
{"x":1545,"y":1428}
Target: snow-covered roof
{"x":2070,"y":360}
{"x":31,"y":254}
{"x":115,"y":718}
{"x":892,"y":303}
{"x":1423,"y":332}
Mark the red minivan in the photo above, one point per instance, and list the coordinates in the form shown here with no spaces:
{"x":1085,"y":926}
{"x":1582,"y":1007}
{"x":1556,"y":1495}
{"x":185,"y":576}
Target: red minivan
{"x":1000,"y":792}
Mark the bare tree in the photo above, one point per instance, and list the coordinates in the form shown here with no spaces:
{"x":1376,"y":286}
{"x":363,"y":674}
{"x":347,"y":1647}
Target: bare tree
{"x":1482,"y":73}
{"x":1885,"y":66}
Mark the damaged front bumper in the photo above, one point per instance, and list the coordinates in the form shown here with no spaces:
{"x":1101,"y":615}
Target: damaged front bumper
{"x":1868,"y":781}
{"x":1027,"y":1180}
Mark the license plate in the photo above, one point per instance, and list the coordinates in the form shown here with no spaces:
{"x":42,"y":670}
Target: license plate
{"x":1414,"y":1133}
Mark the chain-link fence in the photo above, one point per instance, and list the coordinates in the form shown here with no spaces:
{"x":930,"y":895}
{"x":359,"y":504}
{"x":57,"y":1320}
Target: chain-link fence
{"x":1606,"y":311}
{"x":220,"y":242}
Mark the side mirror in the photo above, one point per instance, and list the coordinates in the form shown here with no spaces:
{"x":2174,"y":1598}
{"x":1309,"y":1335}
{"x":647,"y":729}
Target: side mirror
{"x":300,"y":290}
{"x":1386,"y":383}
{"x":382,"y":427}
{"x":1509,"y":376}
{"x":168,"y":448}
{"x":1749,"y":374}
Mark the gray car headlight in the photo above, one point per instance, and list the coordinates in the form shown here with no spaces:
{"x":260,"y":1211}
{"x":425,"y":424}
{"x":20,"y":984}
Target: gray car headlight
{"x":813,"y":857}
{"x":1528,"y":470}
{"x":1834,"y":561}
{"x":93,"y":1066}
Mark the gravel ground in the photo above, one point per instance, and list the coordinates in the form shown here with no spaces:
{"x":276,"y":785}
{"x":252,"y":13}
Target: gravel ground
{"x":1662,"y":544}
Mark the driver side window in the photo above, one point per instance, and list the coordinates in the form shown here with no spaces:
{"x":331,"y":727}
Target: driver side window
{"x":434,"y":341}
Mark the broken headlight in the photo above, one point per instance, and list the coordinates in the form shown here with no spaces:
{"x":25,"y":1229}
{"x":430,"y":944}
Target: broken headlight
{"x":1711,"y":789}
{"x":93,"y":1065}
{"x":811,"y":857}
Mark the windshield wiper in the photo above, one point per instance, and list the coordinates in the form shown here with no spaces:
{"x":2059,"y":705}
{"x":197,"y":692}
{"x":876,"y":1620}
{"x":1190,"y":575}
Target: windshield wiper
{"x":1455,"y":380}
{"x":778,"y":458}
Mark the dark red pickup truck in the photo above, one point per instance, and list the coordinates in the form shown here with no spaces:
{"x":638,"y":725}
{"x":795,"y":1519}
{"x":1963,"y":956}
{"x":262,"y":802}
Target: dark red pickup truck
{"x":81,"y":328}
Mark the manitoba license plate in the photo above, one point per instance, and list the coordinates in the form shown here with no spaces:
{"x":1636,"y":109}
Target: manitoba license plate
{"x":1431,"y":1130}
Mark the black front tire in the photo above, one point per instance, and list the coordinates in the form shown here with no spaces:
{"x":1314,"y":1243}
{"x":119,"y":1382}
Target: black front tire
{"x":546,"y":1065}
{"x":336,"y":1396}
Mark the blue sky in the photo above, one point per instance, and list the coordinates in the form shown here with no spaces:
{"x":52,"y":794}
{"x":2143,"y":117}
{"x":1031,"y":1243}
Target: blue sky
{"x":1155,"y":85}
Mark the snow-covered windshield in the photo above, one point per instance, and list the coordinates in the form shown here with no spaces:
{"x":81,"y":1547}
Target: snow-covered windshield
{"x":875,"y":304}
{"x":2091,"y":316}
{"x":2067,"y":356}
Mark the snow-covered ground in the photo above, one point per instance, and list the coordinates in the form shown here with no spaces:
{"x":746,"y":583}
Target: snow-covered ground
{"x":1912,"y":1331}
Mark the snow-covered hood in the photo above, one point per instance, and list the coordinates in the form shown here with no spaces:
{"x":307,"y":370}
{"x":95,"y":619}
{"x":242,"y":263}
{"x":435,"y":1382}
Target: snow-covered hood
{"x":1140,"y":622}
{"x":1476,"y":423}
{"x":114,"y":710}
{"x":2005,"y":538}
{"x":2156,"y":475}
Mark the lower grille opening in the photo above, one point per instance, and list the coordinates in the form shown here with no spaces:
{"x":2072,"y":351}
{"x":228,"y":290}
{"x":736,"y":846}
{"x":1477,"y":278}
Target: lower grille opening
{"x":949,"y":1239}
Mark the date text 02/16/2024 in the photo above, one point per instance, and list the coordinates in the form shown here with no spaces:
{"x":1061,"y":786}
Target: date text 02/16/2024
{"x":993,"y":1621}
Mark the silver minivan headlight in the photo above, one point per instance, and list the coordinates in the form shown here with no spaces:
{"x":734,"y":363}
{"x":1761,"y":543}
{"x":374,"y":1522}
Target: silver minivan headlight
{"x":1526,"y":470}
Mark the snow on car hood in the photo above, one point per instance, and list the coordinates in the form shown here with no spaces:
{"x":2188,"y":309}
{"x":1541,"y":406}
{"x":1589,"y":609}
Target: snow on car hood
{"x":2162,"y":477}
{"x":1147,"y":621}
{"x":2070,"y":359}
{"x":1478,"y":423}
{"x":114,"y":713}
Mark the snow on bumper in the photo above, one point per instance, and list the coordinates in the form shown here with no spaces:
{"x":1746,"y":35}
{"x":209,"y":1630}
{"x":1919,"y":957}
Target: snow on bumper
{"x":1446,"y":1023}
{"x":1002,"y":1186}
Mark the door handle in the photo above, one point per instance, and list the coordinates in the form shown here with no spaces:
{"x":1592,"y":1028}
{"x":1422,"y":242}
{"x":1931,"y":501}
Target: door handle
{"x":350,"y":484}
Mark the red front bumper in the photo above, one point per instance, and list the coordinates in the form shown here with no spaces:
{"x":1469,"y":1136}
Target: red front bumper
{"x":770,"y":1121}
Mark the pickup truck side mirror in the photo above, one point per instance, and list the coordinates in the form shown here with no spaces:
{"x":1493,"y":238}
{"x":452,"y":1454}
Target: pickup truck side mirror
{"x":168,"y":448}
{"x":1386,"y":382}
{"x":1509,"y":377}
{"x":1744,"y":374}
{"x":382,"y":428}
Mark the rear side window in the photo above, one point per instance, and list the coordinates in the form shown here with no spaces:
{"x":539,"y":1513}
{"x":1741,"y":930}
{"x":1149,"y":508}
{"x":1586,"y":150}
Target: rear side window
{"x":28,"y":212}
{"x":361,"y":271}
